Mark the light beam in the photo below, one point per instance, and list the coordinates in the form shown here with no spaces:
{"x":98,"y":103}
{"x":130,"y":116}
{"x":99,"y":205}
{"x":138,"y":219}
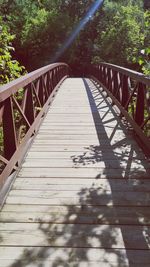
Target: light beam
{"x":94,"y":7}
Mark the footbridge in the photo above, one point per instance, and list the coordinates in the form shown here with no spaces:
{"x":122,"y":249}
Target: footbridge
{"x":75,"y":170}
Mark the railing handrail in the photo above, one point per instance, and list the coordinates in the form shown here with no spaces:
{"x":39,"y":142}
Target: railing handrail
{"x":12,"y":87}
{"x":133,"y":74}
{"x":23,"y":104}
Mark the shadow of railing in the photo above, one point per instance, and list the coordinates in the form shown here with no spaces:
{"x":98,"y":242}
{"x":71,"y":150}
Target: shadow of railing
{"x":122,"y":172}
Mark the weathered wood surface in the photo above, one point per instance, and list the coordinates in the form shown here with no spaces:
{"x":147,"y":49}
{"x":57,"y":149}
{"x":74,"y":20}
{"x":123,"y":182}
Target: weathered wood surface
{"x":82,"y":196}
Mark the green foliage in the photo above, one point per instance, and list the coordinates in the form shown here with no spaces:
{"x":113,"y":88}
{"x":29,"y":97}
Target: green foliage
{"x":9,"y":68}
{"x":116,"y":33}
{"x":144,"y":58}
{"x":121,"y":36}
{"x":40,"y":27}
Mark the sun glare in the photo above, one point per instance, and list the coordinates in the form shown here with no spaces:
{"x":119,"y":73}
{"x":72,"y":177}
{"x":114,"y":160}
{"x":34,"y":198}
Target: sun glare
{"x":88,"y":16}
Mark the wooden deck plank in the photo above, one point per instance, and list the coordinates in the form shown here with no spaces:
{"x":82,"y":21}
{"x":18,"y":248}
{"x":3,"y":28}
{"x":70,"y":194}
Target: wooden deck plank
{"x":82,"y":195}
{"x":80,"y":163}
{"x":91,"y":173}
{"x":80,"y":257}
{"x":94,"y":236}
{"x":120,"y":151}
{"x":76,"y":154}
{"x":111,"y":215}
{"x":73,"y":184}
{"x":94,"y":197}
{"x":6,"y":263}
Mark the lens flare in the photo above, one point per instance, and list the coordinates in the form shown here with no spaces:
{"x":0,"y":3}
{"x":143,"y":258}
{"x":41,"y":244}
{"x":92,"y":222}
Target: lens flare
{"x":94,"y":7}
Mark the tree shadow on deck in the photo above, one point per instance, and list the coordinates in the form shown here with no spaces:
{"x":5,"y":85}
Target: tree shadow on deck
{"x":84,"y":227}
{"x":87,"y":237}
{"x":96,"y":226}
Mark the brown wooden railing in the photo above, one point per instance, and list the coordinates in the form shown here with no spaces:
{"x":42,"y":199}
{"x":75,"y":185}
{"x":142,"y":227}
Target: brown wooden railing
{"x":23,"y":103}
{"x":130,"y":91}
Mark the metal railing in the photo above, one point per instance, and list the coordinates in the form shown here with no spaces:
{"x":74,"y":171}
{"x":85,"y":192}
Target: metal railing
{"x":23,"y":103}
{"x":130,"y":91}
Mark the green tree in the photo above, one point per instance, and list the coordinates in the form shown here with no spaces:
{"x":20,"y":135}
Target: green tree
{"x":120,"y":34}
{"x":9,"y":68}
{"x":144,"y":58}
{"x":116,"y":33}
{"x":40,"y":28}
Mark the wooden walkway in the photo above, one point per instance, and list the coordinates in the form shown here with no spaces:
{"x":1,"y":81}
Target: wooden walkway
{"x":82,"y":196}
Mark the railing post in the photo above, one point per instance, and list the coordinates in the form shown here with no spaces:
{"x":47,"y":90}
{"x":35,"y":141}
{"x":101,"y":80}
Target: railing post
{"x":9,"y":131}
{"x":109,"y":81}
{"x":125,"y":90}
{"x":48,"y":83}
{"x":52,"y":79}
{"x":45,"y":87}
{"x":104,"y":75}
{"x":29,"y":108}
{"x":116,"y":89}
{"x":139,"y":113}
{"x":100,"y":74}
{"x":107,"y":77}
{"x":41,"y":92}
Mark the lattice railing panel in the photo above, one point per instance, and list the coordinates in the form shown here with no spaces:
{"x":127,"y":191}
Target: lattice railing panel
{"x":23,"y":103}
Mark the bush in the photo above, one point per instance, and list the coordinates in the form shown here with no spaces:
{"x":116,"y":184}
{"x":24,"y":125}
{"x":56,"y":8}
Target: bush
{"x":9,"y":67}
